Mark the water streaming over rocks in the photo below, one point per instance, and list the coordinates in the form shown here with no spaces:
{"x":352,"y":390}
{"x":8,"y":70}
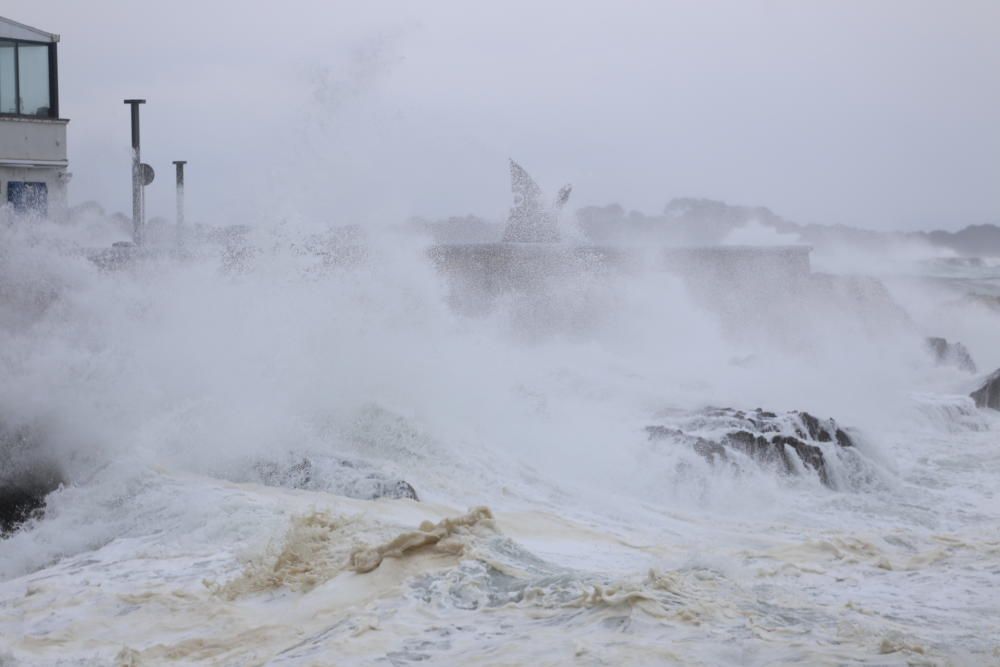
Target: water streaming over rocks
{"x":795,"y":442}
{"x":286,"y":456}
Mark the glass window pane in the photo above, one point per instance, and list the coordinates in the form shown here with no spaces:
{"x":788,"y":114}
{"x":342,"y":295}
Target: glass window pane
{"x":33,"y":68}
{"x":8,"y":94}
{"x":28,"y":197}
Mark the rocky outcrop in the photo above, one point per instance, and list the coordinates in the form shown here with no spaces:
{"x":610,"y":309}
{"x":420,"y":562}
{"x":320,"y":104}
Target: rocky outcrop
{"x":988,"y":395}
{"x":950,"y":354}
{"x":789,"y":442}
{"x":354,"y":479}
{"x":27,"y":477}
{"x":22,"y":497}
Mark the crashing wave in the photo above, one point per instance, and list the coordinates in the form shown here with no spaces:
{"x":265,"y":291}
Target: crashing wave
{"x":345,"y":477}
{"x":950,"y":354}
{"x":950,"y":413}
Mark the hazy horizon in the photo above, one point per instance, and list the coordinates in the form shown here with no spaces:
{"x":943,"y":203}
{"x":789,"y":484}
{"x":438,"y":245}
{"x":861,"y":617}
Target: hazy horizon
{"x":871,"y":115}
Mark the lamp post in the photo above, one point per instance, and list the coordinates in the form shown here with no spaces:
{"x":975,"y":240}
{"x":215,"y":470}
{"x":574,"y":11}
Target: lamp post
{"x":180,"y":201}
{"x":137,"y":203}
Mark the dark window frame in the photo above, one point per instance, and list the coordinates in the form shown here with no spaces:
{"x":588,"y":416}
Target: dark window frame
{"x":53,"y":78}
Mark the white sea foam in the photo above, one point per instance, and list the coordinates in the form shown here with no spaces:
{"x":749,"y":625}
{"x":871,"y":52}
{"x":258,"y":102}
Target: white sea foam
{"x":155,"y":387}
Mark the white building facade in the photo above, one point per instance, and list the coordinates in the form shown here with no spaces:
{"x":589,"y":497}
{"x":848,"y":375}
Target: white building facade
{"x":33,"y":159}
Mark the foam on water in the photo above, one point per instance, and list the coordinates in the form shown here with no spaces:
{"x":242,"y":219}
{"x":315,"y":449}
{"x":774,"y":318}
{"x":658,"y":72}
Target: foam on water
{"x":157,"y":388}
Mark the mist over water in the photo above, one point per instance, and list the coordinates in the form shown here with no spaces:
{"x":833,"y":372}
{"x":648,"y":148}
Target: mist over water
{"x":630,"y":425}
{"x":190,"y":362}
{"x":176,"y":399}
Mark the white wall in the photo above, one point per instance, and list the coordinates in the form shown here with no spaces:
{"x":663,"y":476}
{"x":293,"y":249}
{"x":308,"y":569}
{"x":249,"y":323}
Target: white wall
{"x":33,"y":139}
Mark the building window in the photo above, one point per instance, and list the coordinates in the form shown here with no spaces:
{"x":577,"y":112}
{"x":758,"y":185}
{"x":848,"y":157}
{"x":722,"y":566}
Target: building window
{"x":27,"y":79}
{"x":8,"y":77}
{"x":28,"y":197}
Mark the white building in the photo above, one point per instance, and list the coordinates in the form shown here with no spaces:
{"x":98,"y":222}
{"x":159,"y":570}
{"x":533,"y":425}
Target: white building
{"x":33,"y":160}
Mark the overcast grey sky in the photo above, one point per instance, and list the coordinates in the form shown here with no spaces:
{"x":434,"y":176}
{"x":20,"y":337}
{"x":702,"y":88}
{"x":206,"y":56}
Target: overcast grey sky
{"x":878,"y":114}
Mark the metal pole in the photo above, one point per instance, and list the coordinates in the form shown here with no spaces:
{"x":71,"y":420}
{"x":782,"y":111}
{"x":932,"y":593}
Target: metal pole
{"x":137,"y":203}
{"x":180,"y":200}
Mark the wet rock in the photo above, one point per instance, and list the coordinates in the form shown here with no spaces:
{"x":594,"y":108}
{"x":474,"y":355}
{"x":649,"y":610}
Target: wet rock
{"x":788,"y":442}
{"x":345,"y":477}
{"x":397,"y":488}
{"x":822,"y":431}
{"x":23,"y":497}
{"x":950,"y":354}
{"x":988,"y":395}
{"x":778,"y":450}
{"x":27,"y":477}
{"x":711,"y":451}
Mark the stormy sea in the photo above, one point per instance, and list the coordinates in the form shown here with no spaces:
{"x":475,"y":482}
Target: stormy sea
{"x":445,"y":443}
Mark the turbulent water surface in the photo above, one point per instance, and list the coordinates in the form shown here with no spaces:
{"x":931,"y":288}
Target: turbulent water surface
{"x":271,"y":457}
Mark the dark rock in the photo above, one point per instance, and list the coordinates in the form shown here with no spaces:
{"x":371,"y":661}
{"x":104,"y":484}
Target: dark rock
{"x":23,"y":498}
{"x":813,"y":428}
{"x":950,"y":354}
{"x":988,"y":395}
{"x":756,"y":446}
{"x":711,"y":451}
{"x":774,"y":451}
{"x":27,"y":477}
{"x":383,"y":488}
{"x":768,"y":438}
{"x":810,"y":455}
{"x":23,"y":492}
{"x":821,"y":431}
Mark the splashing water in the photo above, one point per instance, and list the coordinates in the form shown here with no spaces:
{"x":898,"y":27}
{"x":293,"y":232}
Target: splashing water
{"x":177,"y":399}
